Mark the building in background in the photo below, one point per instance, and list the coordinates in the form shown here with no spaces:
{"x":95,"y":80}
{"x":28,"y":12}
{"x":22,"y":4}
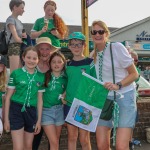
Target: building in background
{"x":137,"y":35}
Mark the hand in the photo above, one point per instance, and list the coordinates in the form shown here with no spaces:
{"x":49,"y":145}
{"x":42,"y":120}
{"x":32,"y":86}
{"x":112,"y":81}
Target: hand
{"x":37,"y":128}
{"x":54,"y":32}
{"x":7,"y":126}
{"x":110,"y":86}
{"x":44,"y":29}
{"x":24,"y":35}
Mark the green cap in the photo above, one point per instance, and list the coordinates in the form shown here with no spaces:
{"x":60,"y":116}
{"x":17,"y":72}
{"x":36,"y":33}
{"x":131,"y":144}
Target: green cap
{"x":76,"y":35}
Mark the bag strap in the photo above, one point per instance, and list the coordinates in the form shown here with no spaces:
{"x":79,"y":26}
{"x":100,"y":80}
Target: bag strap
{"x":113,"y":72}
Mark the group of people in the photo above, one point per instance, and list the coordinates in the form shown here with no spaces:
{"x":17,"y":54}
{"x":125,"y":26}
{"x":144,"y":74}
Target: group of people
{"x":32,"y":98}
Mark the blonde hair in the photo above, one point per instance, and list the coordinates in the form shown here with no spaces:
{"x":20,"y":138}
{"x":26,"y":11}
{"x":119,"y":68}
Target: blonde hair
{"x":3,"y":80}
{"x":104,"y":26}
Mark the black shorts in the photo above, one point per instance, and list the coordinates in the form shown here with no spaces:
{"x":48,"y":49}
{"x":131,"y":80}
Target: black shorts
{"x":26,"y":119}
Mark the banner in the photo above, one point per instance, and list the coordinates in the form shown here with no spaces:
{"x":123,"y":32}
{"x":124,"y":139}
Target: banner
{"x":88,"y":103}
{"x":90,"y":2}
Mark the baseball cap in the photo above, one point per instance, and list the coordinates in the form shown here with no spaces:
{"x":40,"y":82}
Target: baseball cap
{"x":76,"y":35}
{"x":46,"y":40}
{"x":3,"y":60}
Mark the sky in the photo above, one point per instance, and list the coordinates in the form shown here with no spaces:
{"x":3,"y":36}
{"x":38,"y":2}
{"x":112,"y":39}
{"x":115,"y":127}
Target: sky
{"x":115,"y":13}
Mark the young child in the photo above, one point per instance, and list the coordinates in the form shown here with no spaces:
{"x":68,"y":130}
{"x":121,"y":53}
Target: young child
{"x":74,"y":70}
{"x":3,"y":78}
{"x":53,"y":113}
{"x":22,"y":99}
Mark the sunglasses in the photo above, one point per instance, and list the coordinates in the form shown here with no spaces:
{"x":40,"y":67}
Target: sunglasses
{"x":101,"y":32}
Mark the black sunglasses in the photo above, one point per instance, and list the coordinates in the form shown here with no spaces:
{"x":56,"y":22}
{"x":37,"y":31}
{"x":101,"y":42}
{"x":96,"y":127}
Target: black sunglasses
{"x":101,"y":32}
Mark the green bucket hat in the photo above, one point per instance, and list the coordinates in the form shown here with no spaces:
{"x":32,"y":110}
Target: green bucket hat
{"x":76,"y":35}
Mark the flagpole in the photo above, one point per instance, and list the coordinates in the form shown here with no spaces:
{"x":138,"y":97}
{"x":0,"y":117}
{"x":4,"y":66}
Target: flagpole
{"x":85,"y":28}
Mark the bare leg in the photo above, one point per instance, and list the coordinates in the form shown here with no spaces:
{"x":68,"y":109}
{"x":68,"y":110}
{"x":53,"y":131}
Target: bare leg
{"x":14,"y":62}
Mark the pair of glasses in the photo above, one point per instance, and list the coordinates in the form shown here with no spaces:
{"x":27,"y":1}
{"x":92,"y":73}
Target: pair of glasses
{"x":101,"y":32}
{"x":79,"y":45}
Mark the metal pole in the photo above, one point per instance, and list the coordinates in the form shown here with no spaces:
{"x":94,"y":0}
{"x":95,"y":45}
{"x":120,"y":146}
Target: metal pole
{"x":85,"y":28}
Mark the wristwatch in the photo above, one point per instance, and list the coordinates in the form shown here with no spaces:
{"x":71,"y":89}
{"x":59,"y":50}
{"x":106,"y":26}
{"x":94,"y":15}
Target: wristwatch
{"x":119,"y":85}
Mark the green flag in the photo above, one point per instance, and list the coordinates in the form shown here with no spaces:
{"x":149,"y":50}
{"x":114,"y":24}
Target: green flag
{"x":88,"y":103}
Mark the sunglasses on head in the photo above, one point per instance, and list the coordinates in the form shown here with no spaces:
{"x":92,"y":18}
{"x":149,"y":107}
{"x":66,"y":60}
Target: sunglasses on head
{"x":101,"y":32}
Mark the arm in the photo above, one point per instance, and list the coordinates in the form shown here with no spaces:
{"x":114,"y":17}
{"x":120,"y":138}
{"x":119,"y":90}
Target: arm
{"x":36,"y":34}
{"x":14,"y":33}
{"x":40,"y":106}
{"x":132,"y":76}
{"x":56,"y":33}
{"x":6,"y":110}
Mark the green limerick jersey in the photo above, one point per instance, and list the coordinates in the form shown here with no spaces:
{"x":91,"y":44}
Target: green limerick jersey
{"x":26,"y":86}
{"x":1,"y":95}
{"x":74,"y":71}
{"x":38,"y":27}
{"x":56,"y":86}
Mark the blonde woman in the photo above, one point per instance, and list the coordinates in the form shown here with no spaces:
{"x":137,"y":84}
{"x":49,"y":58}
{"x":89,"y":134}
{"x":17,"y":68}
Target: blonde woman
{"x":125,"y":75}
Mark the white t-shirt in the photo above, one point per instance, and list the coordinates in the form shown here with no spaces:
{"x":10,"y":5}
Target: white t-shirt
{"x":122,"y":60}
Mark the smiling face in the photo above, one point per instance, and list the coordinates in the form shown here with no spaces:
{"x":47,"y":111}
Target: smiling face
{"x":45,"y":51}
{"x":76,"y":47}
{"x":99,"y":37}
{"x":31,"y":59}
{"x":57,"y":64}
{"x":99,"y":32}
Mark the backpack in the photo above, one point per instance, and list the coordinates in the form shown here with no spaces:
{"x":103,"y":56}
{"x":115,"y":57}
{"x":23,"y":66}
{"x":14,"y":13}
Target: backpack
{"x":3,"y":42}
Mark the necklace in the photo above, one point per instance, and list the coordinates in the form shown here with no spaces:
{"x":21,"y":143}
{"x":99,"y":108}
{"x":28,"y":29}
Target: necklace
{"x":100,"y":62}
{"x":28,"y":95}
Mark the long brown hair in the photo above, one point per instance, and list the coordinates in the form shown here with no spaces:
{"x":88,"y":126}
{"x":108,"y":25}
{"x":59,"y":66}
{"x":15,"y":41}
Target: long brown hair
{"x":3,"y":80}
{"x":48,"y":73}
{"x":104,"y":26}
{"x":58,"y":21}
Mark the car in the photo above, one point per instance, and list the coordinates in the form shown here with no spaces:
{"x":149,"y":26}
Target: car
{"x":144,"y":87}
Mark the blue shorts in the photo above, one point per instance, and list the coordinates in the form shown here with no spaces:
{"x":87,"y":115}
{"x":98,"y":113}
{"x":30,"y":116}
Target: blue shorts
{"x":127,"y":111}
{"x":53,"y":115}
{"x":66,"y":110}
{"x":18,"y":119}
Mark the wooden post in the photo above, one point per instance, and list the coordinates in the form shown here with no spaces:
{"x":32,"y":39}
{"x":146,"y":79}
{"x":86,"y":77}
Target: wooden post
{"x":85,"y":28}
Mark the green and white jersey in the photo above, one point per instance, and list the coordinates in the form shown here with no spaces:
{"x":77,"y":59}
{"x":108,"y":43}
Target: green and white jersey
{"x":39,"y":24}
{"x":56,"y":86}
{"x":74,"y":71}
{"x":26,"y":86}
{"x":1,"y":95}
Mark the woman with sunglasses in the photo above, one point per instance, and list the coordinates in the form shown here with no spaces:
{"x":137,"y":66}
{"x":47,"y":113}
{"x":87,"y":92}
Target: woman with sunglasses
{"x":125,"y":75}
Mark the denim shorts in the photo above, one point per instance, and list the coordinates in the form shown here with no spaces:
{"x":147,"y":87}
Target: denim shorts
{"x":53,"y":115}
{"x":18,"y":119}
{"x":127,"y":111}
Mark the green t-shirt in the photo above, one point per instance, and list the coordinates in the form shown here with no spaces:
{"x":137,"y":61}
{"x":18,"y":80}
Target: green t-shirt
{"x":74,"y":71}
{"x":56,"y":86}
{"x":20,"y":81}
{"x":1,"y":95}
{"x":38,"y":27}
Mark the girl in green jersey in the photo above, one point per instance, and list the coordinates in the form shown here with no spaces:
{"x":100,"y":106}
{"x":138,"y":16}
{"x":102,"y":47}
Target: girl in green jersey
{"x":55,"y":85}
{"x":22,"y":99}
